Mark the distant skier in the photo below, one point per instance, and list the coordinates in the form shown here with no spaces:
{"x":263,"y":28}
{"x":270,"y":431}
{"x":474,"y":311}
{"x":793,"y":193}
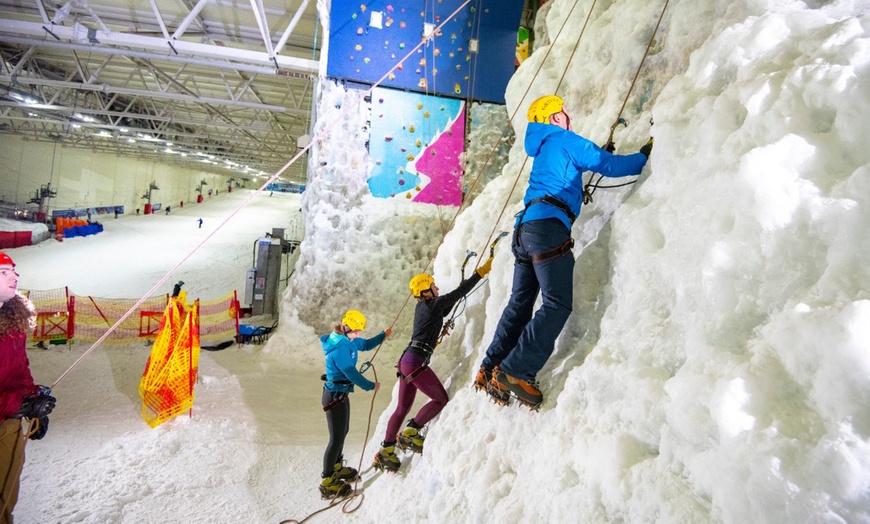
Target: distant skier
{"x":200,"y":223}
{"x":168,"y":209}
{"x":177,"y":289}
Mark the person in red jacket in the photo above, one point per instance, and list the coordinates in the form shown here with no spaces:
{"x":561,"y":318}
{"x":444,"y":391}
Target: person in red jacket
{"x":24,"y":405}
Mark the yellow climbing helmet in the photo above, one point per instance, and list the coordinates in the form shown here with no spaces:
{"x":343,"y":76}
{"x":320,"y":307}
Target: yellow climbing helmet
{"x":420,"y":283}
{"x":354,"y":320}
{"x":542,"y":108}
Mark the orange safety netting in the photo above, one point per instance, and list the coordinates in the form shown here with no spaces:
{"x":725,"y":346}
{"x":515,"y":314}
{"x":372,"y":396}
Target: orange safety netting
{"x":219,"y":319}
{"x":95,"y":315}
{"x":166,"y":387}
{"x":55,"y":319}
{"x":62,"y":316}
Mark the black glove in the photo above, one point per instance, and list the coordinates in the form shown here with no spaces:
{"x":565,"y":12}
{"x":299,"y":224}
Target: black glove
{"x":610,"y":147}
{"x":41,"y":429}
{"x":646,"y":149}
{"x":37,"y":406}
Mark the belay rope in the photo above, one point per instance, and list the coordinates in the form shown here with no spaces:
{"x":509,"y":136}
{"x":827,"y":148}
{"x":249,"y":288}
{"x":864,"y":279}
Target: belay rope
{"x":609,"y":145}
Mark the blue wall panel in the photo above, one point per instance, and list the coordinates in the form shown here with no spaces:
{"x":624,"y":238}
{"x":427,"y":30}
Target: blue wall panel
{"x":362,"y":52}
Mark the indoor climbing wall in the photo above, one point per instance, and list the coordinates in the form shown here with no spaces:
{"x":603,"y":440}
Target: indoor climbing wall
{"x":367,"y":39}
{"x":416,"y":145}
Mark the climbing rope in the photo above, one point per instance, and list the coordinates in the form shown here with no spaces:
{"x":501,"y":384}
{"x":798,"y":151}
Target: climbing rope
{"x":370,"y":363}
{"x":587,"y":194}
{"x":523,"y":99}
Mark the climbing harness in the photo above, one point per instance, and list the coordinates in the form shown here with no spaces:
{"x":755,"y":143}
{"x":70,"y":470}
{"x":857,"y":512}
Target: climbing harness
{"x":337,"y":398}
{"x":555,"y":202}
{"x":558,"y":251}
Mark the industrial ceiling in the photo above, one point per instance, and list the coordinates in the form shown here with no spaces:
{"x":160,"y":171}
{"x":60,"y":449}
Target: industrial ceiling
{"x":228,"y":83}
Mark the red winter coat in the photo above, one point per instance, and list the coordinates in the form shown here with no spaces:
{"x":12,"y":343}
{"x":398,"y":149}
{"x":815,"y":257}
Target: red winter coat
{"x":16,"y":382}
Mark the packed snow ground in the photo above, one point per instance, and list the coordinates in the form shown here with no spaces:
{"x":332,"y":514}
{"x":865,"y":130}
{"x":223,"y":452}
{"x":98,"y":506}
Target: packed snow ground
{"x":717,"y":364}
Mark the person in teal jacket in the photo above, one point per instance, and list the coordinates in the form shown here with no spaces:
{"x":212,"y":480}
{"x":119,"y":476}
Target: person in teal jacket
{"x":543,"y":261}
{"x":341,"y":348}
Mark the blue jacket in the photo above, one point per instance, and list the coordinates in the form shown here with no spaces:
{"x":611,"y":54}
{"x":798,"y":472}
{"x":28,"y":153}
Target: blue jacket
{"x":341,"y":355}
{"x":561,"y":156}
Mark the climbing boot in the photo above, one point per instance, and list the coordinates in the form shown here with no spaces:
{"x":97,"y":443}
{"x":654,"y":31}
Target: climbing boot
{"x":344,"y":472}
{"x":496,"y":391}
{"x":332,"y":487}
{"x":410,"y":439}
{"x":386,"y":459}
{"x":526,"y":391}
{"x":483,"y":377}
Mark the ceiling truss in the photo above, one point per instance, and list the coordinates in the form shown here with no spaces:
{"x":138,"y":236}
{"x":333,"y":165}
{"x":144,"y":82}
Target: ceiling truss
{"x":169,"y":80}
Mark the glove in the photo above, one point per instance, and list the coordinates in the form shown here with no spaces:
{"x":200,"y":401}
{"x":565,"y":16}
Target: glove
{"x":610,"y":147}
{"x":41,"y":429}
{"x":646,"y":149}
{"x":37,"y":406}
{"x":485,"y":268}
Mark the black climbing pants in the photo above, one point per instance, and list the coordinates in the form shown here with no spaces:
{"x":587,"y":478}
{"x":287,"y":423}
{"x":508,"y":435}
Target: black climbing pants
{"x":338,"y":422}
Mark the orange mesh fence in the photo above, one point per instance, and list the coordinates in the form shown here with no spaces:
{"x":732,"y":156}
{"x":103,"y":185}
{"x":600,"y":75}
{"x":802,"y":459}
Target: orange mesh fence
{"x":94,"y":316}
{"x":219,"y":319}
{"x":64,"y":317}
{"x":167,"y":384}
{"x":54,"y":314}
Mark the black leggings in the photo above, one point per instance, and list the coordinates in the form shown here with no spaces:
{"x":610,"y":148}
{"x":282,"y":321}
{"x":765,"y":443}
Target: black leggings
{"x":338,"y":421}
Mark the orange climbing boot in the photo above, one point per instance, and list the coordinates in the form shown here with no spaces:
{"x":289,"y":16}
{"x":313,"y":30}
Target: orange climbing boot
{"x":526,"y":391}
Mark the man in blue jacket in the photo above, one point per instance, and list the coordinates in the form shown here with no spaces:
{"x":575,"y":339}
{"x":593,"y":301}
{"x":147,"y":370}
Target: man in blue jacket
{"x":542,"y":250}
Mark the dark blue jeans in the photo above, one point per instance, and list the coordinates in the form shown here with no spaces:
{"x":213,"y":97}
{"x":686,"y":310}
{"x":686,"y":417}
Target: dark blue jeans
{"x":522,"y":343}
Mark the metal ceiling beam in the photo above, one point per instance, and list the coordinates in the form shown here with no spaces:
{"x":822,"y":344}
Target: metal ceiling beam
{"x":168,"y":133}
{"x":102,"y":40}
{"x":159,"y":18}
{"x":263,"y":24}
{"x":84,"y":111}
{"x":105,"y":88}
{"x":291,"y":26}
{"x":33,"y":42}
{"x":179,"y":32}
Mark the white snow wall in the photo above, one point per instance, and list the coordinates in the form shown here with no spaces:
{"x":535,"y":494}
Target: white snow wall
{"x":715,"y":368}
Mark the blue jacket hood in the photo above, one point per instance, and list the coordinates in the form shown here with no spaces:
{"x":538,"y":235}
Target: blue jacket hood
{"x":330,"y":341}
{"x":536,"y":135}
